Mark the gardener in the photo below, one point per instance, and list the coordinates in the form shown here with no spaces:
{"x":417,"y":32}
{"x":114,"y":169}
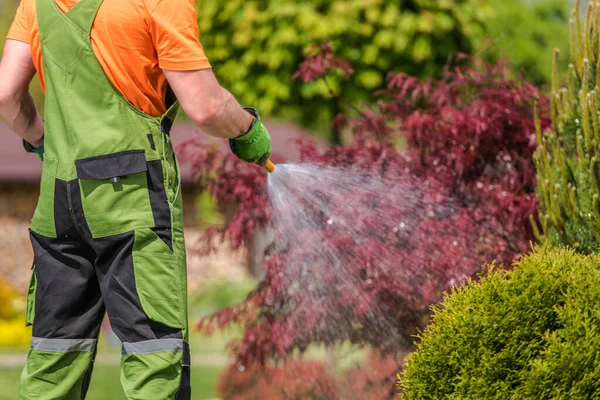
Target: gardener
{"x":107,"y":233}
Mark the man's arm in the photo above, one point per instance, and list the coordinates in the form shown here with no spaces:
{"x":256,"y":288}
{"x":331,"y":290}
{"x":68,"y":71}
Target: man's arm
{"x":17,"y":108}
{"x":209,"y":105}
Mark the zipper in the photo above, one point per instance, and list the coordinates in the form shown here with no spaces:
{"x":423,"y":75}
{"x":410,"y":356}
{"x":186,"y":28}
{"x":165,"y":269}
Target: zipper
{"x":72,"y":212}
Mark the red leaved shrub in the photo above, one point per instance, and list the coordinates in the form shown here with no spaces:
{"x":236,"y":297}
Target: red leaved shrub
{"x":311,"y":379}
{"x":292,"y":379}
{"x":461,"y":146}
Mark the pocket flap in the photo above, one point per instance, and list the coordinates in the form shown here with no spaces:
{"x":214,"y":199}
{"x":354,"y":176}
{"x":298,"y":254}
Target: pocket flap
{"x":112,"y":165}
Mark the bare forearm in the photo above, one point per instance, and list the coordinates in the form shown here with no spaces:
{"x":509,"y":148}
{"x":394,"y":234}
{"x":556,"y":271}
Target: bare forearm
{"x":228,"y":119}
{"x":212,"y":108}
{"x":17,"y":108}
{"x":21,"y":116}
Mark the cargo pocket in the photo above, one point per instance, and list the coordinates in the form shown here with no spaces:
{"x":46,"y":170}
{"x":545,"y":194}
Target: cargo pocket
{"x":30,"y":313}
{"x":158,"y":279}
{"x":43,"y":218}
{"x":114,"y":193}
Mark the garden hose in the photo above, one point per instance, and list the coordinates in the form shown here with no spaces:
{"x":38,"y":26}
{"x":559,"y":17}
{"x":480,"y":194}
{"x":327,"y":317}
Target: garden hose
{"x":269,"y":166}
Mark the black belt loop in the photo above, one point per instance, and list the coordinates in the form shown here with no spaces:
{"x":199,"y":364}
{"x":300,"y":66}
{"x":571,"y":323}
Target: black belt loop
{"x":165,"y":126}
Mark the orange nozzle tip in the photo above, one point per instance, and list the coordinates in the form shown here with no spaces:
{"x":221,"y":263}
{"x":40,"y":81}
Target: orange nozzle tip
{"x":269,"y":166}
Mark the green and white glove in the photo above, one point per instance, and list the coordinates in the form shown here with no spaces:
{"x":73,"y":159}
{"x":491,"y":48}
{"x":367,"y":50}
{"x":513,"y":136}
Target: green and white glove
{"x":39,"y":151}
{"x":253,"y":146}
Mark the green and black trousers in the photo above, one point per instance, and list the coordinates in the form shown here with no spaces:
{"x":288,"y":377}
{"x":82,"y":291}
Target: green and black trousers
{"x":107,"y":232}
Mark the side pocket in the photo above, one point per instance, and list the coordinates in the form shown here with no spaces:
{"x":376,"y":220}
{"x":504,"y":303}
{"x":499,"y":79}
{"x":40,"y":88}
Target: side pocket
{"x":157,"y":279}
{"x":114,"y":192}
{"x":43,"y":218}
{"x":30,"y":313}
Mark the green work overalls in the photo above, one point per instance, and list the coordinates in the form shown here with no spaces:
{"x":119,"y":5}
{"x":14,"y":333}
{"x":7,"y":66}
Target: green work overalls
{"x":107,"y":232}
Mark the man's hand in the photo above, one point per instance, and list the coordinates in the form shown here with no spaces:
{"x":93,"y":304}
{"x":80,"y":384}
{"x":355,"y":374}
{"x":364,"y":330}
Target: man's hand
{"x":17,"y":108}
{"x":37,"y":148}
{"x":253,"y":146}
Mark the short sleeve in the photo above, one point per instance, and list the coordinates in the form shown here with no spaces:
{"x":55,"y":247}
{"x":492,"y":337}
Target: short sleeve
{"x":175,"y":33}
{"x":20,"y":28}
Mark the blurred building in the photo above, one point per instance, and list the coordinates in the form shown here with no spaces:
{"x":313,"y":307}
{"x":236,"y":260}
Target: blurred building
{"x":19,"y":188}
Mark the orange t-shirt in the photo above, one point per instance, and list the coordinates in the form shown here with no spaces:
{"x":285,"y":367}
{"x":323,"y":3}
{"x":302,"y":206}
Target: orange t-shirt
{"x":134,"y":41}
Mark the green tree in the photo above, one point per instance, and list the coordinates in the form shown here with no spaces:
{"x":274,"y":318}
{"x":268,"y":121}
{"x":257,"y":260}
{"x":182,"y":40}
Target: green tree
{"x":522,"y":30}
{"x":567,"y":158}
{"x":256,"y":46}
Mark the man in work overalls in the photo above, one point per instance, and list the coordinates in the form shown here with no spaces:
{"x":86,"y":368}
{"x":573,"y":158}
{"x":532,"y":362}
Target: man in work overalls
{"x":107,"y":233}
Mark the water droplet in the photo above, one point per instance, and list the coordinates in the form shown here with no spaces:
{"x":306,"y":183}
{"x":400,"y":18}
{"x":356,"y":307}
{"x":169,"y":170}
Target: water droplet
{"x":395,"y":229}
{"x":330,"y":221}
{"x":369,"y":281}
{"x":242,"y":368}
{"x":504,"y":194}
{"x":455,"y":243}
{"x":402,"y":225}
{"x":479,"y":185}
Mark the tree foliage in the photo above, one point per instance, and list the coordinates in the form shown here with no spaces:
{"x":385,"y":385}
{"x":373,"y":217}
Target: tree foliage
{"x":529,"y":333}
{"x":526,"y":32}
{"x":256,"y":46}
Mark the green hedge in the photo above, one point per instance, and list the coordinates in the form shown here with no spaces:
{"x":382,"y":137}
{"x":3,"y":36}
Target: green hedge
{"x":529,"y":333}
{"x":526,"y":32}
{"x":256,"y":46}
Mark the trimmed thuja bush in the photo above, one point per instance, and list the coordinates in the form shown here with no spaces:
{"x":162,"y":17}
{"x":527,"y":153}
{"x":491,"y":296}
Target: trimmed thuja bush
{"x":529,"y":333}
{"x":567,"y":158}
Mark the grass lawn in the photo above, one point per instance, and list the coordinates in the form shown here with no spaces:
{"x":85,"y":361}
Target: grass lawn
{"x":106,"y":386}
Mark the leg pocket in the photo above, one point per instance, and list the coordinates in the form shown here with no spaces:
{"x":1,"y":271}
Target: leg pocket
{"x":114,"y":193}
{"x":30,"y":313}
{"x":158,"y":279}
{"x":43,"y":218}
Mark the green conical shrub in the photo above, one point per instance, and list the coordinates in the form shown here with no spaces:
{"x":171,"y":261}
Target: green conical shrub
{"x":567,"y":157}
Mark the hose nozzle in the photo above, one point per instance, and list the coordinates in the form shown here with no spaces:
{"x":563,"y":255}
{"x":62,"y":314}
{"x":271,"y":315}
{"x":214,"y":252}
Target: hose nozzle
{"x":269,"y":166}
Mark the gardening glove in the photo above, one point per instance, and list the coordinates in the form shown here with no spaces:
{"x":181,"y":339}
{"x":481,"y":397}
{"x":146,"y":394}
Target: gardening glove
{"x":253,"y":146}
{"x":39,"y":151}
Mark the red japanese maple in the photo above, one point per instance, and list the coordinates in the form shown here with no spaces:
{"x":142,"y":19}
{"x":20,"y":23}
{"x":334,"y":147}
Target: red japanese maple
{"x":463,"y":145}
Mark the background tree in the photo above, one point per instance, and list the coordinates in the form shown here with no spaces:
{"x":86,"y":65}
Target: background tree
{"x":526,"y":31}
{"x":256,"y":46}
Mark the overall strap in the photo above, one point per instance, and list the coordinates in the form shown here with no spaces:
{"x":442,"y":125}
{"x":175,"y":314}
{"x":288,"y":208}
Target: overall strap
{"x":80,"y":18}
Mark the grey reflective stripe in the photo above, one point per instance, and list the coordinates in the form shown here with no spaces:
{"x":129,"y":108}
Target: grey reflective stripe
{"x":153,"y":346}
{"x":63,"y":345}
